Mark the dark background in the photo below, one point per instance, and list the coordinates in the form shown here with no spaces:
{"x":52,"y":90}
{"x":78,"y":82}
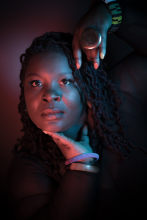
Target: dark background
{"x":20,"y":22}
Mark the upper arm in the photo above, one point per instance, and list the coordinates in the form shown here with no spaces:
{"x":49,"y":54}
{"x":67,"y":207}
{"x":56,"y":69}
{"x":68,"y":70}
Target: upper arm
{"x":29,"y":188}
{"x":130,"y":75}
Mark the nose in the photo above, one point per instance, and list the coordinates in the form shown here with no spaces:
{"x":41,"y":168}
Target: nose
{"x":51,"y":96}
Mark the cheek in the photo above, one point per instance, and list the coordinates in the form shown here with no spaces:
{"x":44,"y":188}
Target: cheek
{"x":31,"y":104}
{"x":73,"y":100}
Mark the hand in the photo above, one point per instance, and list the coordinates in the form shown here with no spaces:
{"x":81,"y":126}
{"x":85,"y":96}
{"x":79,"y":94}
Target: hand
{"x":71,"y":148}
{"x":99,"y":17}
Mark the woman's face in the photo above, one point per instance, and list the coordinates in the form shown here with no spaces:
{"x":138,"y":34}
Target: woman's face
{"x":49,"y":84}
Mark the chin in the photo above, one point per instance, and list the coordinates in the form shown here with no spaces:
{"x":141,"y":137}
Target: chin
{"x":50,"y":128}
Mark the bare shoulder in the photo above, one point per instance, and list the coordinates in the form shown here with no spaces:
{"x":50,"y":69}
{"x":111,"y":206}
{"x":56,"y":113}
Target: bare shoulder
{"x":130,"y":75}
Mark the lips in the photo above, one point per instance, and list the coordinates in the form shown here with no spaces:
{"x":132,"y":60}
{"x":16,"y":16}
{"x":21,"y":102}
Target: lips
{"x":51,"y":111}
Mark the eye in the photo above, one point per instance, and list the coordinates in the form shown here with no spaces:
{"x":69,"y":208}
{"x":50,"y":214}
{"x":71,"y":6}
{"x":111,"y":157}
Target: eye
{"x":34,"y":81}
{"x":65,"y":80}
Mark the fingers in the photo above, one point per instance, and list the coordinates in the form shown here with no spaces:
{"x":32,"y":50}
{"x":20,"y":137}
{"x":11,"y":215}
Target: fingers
{"x":85,"y":137}
{"x":103,"y":44}
{"x":93,"y":55}
{"x":85,"y":130}
{"x":76,"y":47}
{"x":59,"y":138}
{"x":98,"y":53}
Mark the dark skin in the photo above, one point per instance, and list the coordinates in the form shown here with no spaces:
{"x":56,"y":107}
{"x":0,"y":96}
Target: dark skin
{"x":54,"y":87}
{"x":131,"y":79}
{"x":65,"y":137}
{"x":115,"y":181}
{"x":98,"y":16}
{"x":91,"y":18}
{"x":131,"y":84}
{"x":49,"y":83}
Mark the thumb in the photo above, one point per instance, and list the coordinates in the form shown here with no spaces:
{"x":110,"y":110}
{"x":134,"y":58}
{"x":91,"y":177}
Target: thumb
{"x":85,"y":137}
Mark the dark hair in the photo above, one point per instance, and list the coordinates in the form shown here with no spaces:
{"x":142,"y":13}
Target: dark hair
{"x":96,"y":88}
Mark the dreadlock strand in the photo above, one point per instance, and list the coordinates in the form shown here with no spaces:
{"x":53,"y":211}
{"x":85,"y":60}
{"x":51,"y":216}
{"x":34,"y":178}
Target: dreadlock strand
{"x":96,"y":88}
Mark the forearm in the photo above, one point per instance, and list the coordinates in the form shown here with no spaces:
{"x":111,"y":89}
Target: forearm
{"x":133,"y":28}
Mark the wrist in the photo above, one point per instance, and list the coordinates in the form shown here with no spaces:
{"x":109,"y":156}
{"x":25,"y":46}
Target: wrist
{"x":88,"y":161}
{"x":114,"y":9}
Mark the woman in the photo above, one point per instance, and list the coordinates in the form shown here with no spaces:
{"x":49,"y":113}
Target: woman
{"x":39,"y":184}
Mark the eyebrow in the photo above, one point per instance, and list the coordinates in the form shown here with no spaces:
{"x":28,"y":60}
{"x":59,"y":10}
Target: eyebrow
{"x":35,"y":74}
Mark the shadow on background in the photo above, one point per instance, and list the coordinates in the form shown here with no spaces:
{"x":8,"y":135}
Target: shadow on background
{"x":22,"y":21}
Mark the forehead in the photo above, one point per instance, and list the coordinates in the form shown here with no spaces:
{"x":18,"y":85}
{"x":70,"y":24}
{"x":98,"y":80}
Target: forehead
{"x":50,"y":62}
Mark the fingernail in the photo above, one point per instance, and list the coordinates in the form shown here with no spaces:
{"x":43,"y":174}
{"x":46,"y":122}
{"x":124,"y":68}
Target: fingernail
{"x":78,"y":65}
{"x":102,"y":55}
{"x":95,"y":65}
